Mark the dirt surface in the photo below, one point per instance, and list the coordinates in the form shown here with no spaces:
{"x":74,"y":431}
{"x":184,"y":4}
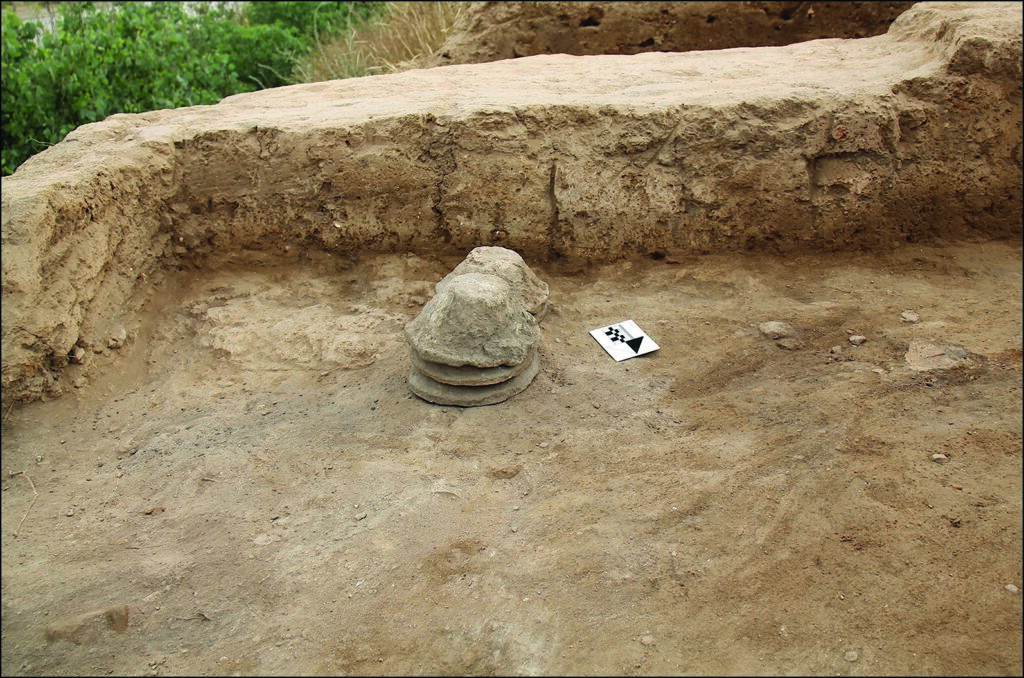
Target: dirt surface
{"x":252,"y":489}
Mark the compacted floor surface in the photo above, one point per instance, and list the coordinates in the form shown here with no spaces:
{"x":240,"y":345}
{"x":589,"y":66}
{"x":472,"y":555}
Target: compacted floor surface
{"x":249,"y":487}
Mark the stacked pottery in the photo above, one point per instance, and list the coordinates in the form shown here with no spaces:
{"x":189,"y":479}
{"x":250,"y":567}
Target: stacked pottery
{"x":475,"y":343}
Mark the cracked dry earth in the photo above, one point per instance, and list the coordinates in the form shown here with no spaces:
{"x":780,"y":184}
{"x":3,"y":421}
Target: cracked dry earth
{"x":250,"y":488}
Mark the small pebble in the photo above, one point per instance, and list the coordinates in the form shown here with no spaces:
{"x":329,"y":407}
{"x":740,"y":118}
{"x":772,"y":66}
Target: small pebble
{"x":851,"y":656}
{"x":1011,"y":588}
{"x":776,"y":329}
{"x":647,"y":641}
{"x":940,"y":458}
{"x":858,"y":339}
{"x":788,"y":343}
{"x":360,"y":516}
{"x":909,"y":317}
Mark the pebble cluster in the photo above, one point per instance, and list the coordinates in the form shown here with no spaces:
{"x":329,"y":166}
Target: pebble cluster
{"x":475,"y":342}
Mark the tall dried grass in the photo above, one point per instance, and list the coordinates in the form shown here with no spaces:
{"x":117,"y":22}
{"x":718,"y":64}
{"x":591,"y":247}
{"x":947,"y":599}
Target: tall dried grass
{"x":402,"y":37}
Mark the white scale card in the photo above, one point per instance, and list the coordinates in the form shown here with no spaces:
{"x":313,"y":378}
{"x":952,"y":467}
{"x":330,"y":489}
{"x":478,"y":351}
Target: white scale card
{"x":624,"y":340}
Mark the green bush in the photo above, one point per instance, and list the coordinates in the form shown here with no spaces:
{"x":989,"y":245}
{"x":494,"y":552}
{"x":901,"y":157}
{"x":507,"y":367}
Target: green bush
{"x":135,"y":57}
{"x":311,"y":21}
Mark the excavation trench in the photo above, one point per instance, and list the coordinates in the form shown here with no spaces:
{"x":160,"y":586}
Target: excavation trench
{"x":817,"y":472}
{"x":827,"y":145}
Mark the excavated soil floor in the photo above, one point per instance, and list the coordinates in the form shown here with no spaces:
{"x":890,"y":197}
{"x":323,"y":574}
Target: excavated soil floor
{"x":250,"y":487}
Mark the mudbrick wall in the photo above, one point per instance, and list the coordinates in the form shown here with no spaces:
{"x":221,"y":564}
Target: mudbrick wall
{"x":831,"y":144}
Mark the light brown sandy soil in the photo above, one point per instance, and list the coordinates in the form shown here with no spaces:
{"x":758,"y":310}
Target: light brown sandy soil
{"x":253,"y":484}
{"x":246,"y":484}
{"x":489,"y":31}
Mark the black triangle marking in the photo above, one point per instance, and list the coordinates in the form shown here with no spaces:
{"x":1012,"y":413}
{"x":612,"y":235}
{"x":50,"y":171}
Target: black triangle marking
{"x":635,"y":344}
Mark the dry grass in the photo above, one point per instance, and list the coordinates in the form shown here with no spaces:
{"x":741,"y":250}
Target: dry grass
{"x":401,"y":38}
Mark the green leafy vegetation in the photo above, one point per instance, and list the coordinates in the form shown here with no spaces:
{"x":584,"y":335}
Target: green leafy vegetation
{"x":131,"y":57}
{"x":312,"y":21}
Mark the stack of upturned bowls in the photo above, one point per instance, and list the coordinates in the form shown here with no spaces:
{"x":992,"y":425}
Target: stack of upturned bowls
{"x":475,"y":342}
